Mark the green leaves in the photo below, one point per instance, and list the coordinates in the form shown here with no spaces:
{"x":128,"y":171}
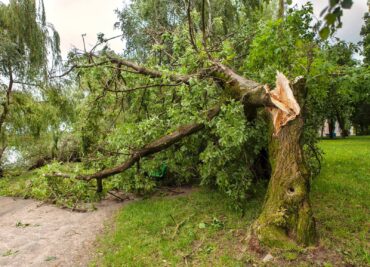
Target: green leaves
{"x":324,"y":33}
{"x":233,"y":144}
{"x":280,"y":45}
{"x":334,"y":13}
{"x":330,"y":18}
{"x":347,"y":4}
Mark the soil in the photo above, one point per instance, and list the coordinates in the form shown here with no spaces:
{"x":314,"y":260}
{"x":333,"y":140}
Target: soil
{"x":37,"y":234}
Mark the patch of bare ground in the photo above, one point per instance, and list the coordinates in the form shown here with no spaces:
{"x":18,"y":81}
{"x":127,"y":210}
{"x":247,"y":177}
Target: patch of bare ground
{"x":36,"y":234}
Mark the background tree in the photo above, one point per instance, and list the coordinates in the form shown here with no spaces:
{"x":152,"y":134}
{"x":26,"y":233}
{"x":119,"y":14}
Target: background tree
{"x":25,"y":41}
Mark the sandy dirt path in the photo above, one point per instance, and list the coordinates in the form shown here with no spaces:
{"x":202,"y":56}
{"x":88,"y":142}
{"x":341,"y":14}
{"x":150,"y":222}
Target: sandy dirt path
{"x":47,"y":235}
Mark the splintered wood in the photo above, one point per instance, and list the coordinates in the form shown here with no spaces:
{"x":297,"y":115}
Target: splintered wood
{"x":282,"y":97}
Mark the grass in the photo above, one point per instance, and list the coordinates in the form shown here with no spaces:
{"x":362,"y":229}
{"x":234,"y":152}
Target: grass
{"x":341,"y":198}
{"x":200,"y":229}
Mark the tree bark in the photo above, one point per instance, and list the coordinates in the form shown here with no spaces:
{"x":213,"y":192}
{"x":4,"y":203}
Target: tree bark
{"x":286,"y":217}
{"x":281,"y":9}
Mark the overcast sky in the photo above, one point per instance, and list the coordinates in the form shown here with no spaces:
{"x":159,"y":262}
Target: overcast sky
{"x":75,"y":17}
{"x":352,"y":18}
{"x":72,"y":18}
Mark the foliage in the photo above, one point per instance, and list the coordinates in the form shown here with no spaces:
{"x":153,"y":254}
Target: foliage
{"x":229,"y":155}
{"x":333,"y":14}
{"x":159,"y":24}
{"x":24,"y":39}
{"x":282,"y":45}
{"x":27,"y":44}
{"x":68,"y":193}
{"x":365,"y":32}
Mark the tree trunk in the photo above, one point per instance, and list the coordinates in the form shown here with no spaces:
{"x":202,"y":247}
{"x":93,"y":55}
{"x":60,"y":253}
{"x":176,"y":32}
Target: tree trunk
{"x":286,"y":217}
{"x":287,"y":214}
{"x":99,"y":185}
{"x":331,"y":123}
{"x":342,"y":125}
{"x":281,"y":9}
{"x":2,"y":150}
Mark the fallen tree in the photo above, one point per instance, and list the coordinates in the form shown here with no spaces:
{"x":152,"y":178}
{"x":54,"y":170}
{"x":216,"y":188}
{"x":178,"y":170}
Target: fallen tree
{"x":286,"y":215}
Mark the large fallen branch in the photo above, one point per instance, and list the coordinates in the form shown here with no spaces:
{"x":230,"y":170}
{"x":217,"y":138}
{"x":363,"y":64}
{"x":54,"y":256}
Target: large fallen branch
{"x":156,"y":146}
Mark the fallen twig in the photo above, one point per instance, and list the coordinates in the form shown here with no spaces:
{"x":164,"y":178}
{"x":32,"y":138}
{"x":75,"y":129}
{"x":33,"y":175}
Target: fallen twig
{"x":187,"y":256}
{"x":122,"y":199}
{"x":179,"y":225}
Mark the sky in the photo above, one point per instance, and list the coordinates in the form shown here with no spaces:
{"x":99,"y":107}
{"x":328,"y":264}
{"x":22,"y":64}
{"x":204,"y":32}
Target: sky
{"x":72,"y":18}
{"x":352,"y":18}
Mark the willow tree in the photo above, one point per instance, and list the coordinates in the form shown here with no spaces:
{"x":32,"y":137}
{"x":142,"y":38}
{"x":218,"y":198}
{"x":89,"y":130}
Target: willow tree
{"x":210,"y":95}
{"x":25,"y":40}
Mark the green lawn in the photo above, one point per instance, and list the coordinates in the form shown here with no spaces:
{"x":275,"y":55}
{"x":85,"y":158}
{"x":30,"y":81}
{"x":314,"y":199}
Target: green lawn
{"x":341,"y":198}
{"x":200,"y":230}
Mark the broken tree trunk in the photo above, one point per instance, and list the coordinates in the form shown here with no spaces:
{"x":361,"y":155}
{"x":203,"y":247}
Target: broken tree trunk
{"x":286,"y":217}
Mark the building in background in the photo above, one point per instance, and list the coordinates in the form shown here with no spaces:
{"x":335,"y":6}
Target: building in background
{"x":325,"y":130}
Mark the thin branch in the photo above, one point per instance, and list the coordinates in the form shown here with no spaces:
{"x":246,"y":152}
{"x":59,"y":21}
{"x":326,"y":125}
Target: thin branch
{"x":209,"y":17}
{"x":204,"y":33}
{"x":104,"y":41}
{"x":191,"y":29}
{"x":28,"y":84}
{"x":204,"y":24}
{"x":75,"y":66}
{"x":143,"y":87}
{"x":83,"y":40}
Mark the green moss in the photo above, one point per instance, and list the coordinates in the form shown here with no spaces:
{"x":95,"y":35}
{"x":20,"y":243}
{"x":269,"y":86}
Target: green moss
{"x":306,"y":229}
{"x":290,"y":256}
{"x":275,"y":237}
